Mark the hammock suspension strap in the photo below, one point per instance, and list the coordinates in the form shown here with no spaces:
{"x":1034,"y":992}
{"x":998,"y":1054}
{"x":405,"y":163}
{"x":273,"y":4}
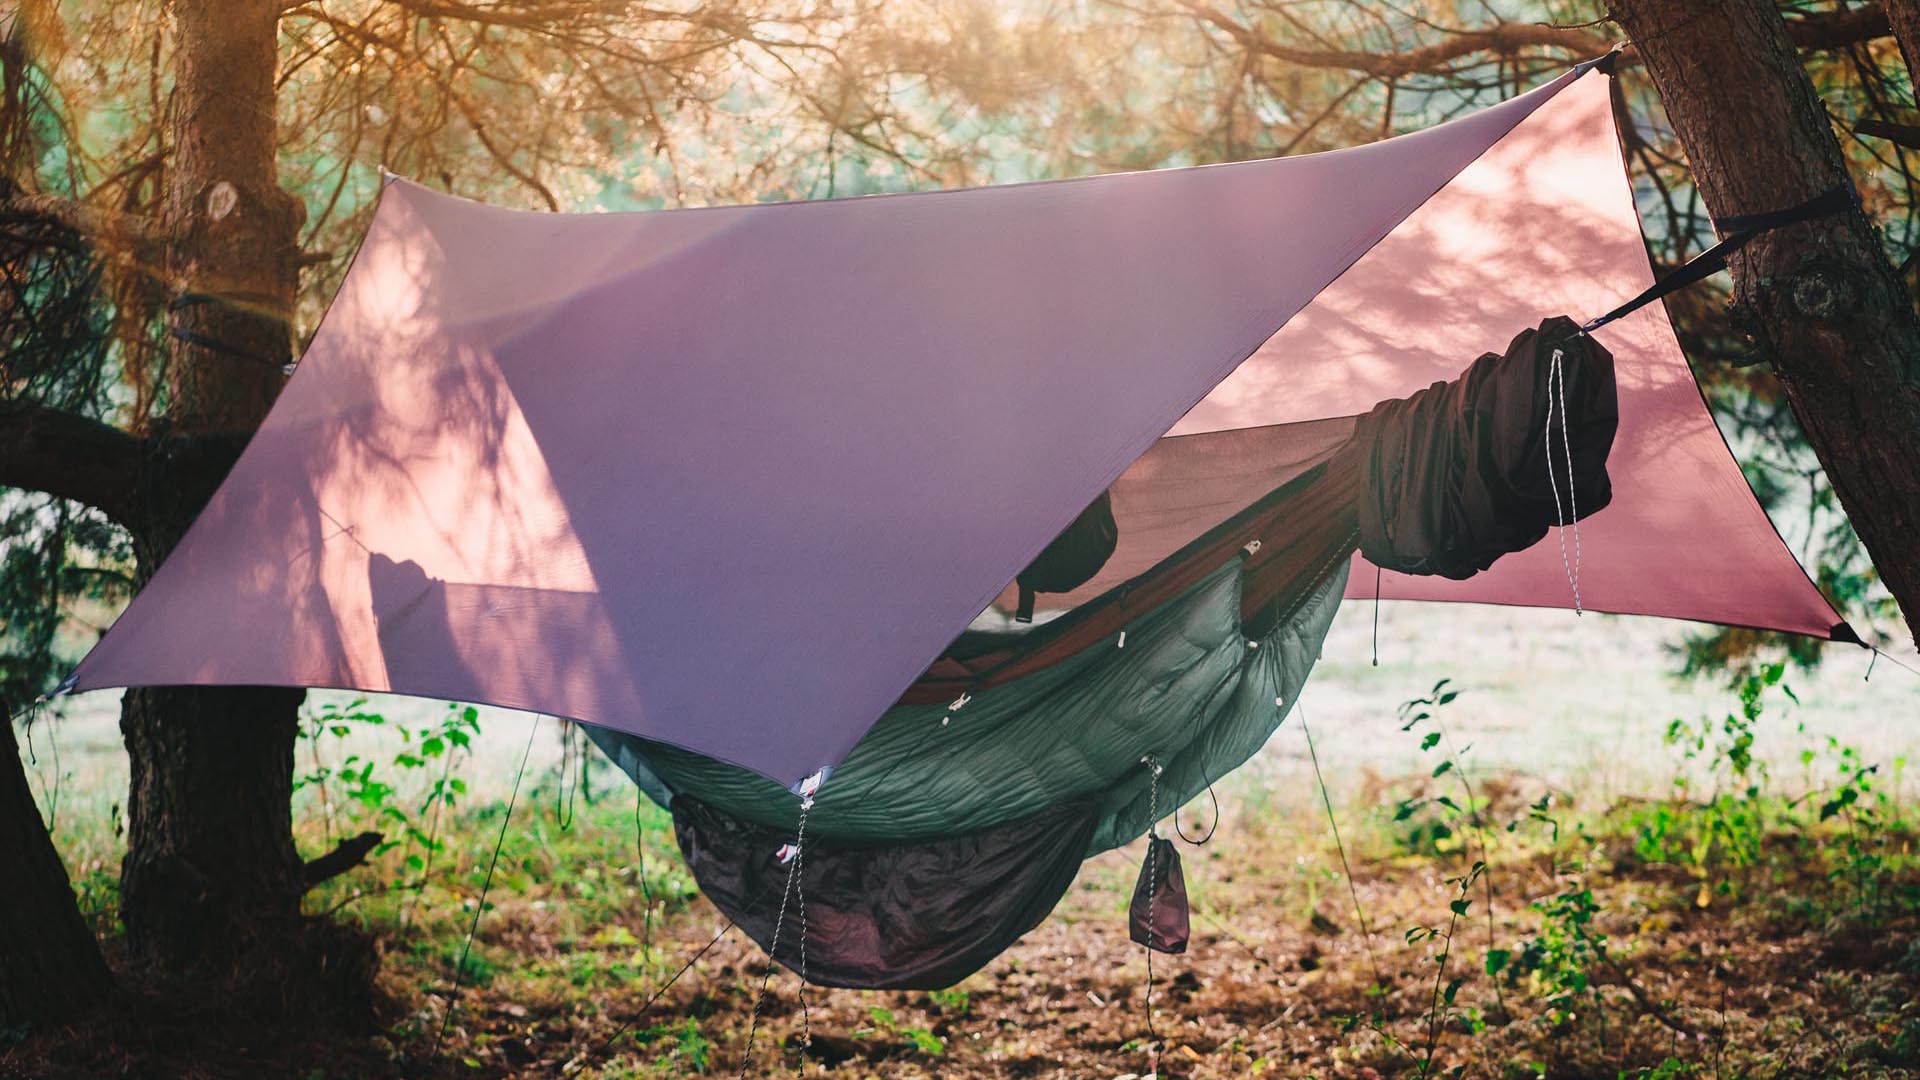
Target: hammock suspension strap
{"x":1735,"y":232}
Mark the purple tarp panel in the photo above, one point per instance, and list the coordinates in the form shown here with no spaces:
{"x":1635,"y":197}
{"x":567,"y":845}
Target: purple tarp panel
{"x":730,"y":478}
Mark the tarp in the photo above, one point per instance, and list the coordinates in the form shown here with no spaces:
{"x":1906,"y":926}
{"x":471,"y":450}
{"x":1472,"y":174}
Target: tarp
{"x":731,"y":478}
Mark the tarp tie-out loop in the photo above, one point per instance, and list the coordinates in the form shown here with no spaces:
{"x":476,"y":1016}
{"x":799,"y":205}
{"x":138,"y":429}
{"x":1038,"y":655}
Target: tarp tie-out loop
{"x":1734,"y":232}
{"x":1211,"y":829}
{"x":32,"y":712}
{"x":1894,"y":660}
{"x":1557,"y":395}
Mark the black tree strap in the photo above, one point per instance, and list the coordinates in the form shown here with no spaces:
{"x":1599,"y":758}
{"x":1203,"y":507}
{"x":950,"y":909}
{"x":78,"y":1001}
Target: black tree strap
{"x":216,"y":345}
{"x":1735,"y":232}
{"x":257,"y":305}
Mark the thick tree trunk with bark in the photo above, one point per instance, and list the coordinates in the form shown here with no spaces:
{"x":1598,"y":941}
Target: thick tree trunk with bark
{"x":50,"y":966}
{"x":209,"y":845}
{"x":1904,"y":17}
{"x":211,"y":868}
{"x":1820,"y":298}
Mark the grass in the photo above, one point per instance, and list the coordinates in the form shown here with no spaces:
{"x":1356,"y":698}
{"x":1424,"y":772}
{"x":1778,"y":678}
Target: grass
{"x":1727,"y":909}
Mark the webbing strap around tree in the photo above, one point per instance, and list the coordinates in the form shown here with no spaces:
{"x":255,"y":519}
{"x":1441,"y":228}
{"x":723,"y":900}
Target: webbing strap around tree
{"x":1735,"y":232}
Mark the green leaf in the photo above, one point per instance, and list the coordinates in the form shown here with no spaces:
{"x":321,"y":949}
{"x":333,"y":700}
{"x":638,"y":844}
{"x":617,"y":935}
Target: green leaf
{"x":926,"y":1041}
{"x":1442,"y":768}
{"x":1431,"y":740}
{"x":1497,"y":960}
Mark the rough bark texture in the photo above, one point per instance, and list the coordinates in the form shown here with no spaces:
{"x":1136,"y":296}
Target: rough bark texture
{"x":210,"y":850}
{"x":1904,"y":16}
{"x":50,"y":967}
{"x":1820,"y":299}
{"x":209,"y":841}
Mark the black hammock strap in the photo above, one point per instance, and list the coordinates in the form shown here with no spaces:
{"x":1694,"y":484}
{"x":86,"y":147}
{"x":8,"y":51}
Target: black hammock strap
{"x":1735,"y":232}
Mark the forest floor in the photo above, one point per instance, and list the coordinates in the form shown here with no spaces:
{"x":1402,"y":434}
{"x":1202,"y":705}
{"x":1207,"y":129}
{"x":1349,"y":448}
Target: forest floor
{"x":1656,"y":902}
{"x":1614,"y":967}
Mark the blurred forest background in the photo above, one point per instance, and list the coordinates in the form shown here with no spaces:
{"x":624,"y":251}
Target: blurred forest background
{"x":1641,"y":850}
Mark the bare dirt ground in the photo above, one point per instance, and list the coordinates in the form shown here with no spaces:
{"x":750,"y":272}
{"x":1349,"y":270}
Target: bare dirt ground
{"x":1273,"y":987}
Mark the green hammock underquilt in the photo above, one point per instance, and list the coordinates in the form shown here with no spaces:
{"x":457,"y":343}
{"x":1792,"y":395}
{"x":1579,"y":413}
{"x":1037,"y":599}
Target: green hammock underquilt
{"x":936,"y":845}
{"x":1187,"y":689}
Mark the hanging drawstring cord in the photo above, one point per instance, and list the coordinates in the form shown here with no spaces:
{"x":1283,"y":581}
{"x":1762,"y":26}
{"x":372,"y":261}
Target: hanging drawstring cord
{"x":800,"y":899}
{"x":1557,"y":393}
{"x":1735,"y":233}
{"x":1153,"y":907}
{"x":563,"y":795}
{"x":1376,"y":610}
{"x":790,"y":854}
{"x":646,"y":891}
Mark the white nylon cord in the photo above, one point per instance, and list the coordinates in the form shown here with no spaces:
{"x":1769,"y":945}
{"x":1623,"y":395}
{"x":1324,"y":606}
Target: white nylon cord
{"x":1153,"y":910}
{"x":773,"y":948}
{"x":1557,"y":390}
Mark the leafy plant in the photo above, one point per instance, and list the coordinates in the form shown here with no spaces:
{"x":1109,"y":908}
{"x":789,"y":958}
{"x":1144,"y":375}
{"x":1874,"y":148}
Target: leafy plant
{"x":1718,"y":839}
{"x":1444,"y":812}
{"x":691,"y":1049}
{"x":952,"y":1000}
{"x":923,"y":1040}
{"x":1560,"y":957}
{"x":1441,"y":1006}
{"x":1863,"y":863}
{"x":357,"y":786}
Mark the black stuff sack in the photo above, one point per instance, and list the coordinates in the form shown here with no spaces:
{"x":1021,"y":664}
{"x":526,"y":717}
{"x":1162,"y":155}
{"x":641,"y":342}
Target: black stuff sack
{"x":1158,"y":916}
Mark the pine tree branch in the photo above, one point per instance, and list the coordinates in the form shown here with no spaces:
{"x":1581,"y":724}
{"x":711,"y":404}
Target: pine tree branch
{"x":75,"y":457}
{"x":70,"y":456}
{"x":105,"y":227}
{"x":1823,"y":30}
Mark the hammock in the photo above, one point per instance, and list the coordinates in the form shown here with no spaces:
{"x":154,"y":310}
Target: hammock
{"x":949,"y":832}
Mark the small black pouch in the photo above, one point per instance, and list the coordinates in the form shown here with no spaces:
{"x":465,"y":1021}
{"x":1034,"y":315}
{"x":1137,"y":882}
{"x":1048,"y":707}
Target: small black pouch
{"x":1158,"y":916}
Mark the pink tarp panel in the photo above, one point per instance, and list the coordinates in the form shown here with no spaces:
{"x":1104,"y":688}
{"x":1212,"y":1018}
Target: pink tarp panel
{"x":1543,"y":224}
{"x":731,"y":478}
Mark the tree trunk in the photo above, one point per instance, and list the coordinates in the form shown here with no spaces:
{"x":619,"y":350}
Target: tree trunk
{"x":211,"y":871}
{"x":209,"y":845}
{"x":1820,"y":298}
{"x":50,"y":966}
{"x":1904,"y":16}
